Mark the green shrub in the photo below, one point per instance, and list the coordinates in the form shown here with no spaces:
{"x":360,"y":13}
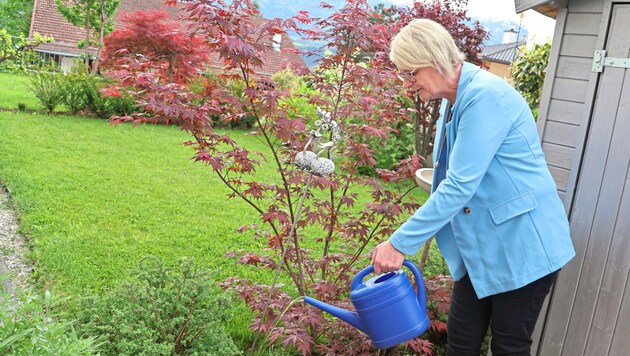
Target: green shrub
{"x":105,"y":107}
{"x":388,"y":153}
{"x":160,"y":312}
{"x":48,"y":87}
{"x":21,"y":107}
{"x":528,"y":73}
{"x":33,"y":325}
{"x":75,"y":87}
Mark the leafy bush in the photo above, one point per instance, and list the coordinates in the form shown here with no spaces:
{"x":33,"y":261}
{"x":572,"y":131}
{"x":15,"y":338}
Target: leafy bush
{"x":105,"y":106}
{"x":48,"y":87}
{"x":297,"y":105}
{"x":21,"y":107}
{"x":388,"y":153}
{"x":75,"y":87}
{"x":160,"y":312}
{"x":528,"y":74}
{"x":34,"y":325}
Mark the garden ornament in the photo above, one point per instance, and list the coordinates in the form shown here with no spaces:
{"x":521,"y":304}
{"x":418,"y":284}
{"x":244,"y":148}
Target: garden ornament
{"x":387,"y":308}
{"x":309,"y":160}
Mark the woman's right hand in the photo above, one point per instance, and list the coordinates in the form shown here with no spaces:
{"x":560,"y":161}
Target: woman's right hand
{"x":386,"y":258}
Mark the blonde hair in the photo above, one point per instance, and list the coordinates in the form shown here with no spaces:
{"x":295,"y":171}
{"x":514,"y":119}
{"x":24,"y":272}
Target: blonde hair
{"x":425,"y":43}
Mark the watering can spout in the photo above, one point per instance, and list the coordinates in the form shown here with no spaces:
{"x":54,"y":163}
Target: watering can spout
{"x":349,"y":317}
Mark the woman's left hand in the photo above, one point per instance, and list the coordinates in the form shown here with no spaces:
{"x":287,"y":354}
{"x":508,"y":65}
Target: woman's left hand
{"x":386,"y":258}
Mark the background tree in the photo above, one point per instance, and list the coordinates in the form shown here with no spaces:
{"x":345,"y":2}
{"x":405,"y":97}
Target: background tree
{"x":528,"y":73}
{"x":15,"y":16}
{"x":10,"y":49}
{"x":93,"y":15}
{"x":161,"y":41}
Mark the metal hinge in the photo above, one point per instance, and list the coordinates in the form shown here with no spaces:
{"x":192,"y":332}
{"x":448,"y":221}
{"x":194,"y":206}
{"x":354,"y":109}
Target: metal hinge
{"x":600,"y":60}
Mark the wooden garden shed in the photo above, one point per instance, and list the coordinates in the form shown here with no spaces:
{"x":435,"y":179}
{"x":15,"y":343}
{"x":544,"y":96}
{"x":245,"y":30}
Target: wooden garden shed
{"x":584,"y":125}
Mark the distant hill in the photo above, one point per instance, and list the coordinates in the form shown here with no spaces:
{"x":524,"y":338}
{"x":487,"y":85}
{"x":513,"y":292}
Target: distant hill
{"x":286,"y":8}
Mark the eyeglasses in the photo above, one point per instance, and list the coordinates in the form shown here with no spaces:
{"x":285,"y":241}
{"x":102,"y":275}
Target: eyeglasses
{"x":408,"y":76}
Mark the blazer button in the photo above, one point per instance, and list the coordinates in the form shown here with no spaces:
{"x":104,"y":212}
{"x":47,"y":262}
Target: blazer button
{"x":466,"y":210}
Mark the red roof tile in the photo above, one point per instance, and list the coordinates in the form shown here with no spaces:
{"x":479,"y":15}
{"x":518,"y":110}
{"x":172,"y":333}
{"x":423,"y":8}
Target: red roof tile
{"x":49,"y":22}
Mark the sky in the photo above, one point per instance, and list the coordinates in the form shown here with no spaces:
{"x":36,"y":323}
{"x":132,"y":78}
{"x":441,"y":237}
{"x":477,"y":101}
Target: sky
{"x":540,"y":27}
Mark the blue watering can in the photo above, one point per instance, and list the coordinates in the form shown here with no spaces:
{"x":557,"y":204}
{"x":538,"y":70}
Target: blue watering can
{"x":387,"y":309}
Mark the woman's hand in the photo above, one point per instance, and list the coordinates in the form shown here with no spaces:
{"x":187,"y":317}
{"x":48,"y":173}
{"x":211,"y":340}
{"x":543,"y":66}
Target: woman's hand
{"x":386,"y":258}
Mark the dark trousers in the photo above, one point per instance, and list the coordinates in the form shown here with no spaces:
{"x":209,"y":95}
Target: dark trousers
{"x":511,"y":315}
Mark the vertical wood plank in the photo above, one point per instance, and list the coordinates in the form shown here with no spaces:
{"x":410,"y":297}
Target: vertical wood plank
{"x":620,"y":342}
{"x":593,"y":83}
{"x":608,"y":320}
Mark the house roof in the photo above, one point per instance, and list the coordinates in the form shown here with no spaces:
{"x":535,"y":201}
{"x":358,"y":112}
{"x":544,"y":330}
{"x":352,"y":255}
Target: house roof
{"x":502,"y":53}
{"x":48,"y":21}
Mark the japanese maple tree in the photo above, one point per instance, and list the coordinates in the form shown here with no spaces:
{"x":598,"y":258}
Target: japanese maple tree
{"x":359,"y":94}
{"x":159,"y":42}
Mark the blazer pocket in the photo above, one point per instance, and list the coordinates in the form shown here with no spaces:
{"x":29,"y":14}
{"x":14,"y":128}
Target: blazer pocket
{"x":514,"y":207}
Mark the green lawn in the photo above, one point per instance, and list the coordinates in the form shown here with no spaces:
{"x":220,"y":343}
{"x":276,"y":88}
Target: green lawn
{"x":94,"y":199}
{"x":14,"y":90}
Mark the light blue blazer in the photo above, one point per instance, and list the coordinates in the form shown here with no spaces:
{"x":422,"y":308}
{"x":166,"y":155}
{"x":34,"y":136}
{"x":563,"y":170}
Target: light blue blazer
{"x":497,"y":215}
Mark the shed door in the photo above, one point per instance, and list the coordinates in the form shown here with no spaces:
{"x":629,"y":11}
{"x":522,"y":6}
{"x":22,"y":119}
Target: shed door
{"x":590,"y":307}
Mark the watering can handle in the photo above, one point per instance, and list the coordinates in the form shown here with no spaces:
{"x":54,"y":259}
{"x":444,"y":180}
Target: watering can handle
{"x":422,"y":294}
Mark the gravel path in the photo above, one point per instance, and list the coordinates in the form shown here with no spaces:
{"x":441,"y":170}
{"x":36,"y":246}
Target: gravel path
{"x":12,"y":248}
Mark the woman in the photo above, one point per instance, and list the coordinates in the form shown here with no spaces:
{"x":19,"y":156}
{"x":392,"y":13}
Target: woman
{"x":494,"y":209}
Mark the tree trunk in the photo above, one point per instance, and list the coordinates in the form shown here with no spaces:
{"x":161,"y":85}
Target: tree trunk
{"x":171,"y":68}
{"x":418,"y":128}
{"x":425,"y":254}
{"x":100,"y":37}
{"x":87,"y":36}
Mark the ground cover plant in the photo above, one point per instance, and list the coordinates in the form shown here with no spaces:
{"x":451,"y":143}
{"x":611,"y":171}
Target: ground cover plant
{"x":160,"y":311}
{"x":32,"y":324}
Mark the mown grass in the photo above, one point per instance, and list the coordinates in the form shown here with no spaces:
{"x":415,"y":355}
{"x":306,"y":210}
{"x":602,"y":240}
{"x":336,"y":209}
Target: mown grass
{"x":14,"y":90}
{"x":94,"y":199}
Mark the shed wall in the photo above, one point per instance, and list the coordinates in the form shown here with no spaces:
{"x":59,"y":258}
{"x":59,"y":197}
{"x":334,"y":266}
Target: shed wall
{"x":584,"y":124}
{"x":564,"y":104}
